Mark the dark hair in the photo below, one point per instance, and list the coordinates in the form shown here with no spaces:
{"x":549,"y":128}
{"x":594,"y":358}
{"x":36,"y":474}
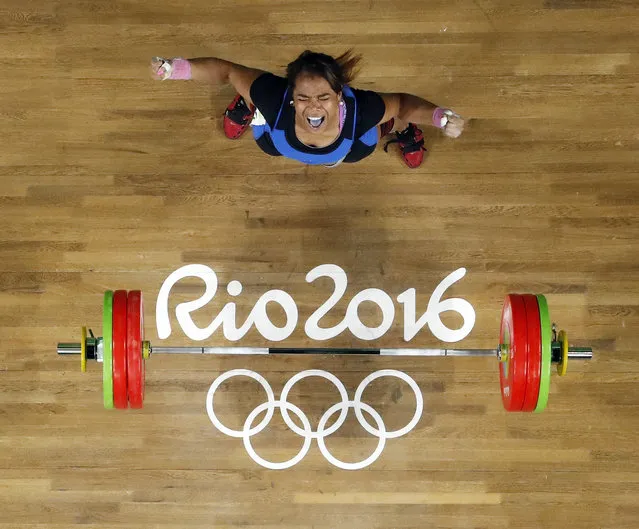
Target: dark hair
{"x":337,"y":71}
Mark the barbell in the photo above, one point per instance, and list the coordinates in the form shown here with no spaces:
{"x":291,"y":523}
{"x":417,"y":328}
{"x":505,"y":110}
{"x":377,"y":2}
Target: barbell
{"x":528,"y":346}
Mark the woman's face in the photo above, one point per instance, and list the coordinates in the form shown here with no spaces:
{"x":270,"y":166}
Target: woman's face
{"x":316,"y":103}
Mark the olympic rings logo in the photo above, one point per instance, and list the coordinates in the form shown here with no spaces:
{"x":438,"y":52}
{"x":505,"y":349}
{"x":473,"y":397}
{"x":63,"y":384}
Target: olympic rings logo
{"x":307,"y":432}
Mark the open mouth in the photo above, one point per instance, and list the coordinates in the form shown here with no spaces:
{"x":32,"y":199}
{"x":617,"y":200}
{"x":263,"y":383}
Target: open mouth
{"x":315,"y":123}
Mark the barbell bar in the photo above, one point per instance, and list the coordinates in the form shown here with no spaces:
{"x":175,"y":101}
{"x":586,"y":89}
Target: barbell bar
{"x":528,"y":345}
{"x":574,"y":353}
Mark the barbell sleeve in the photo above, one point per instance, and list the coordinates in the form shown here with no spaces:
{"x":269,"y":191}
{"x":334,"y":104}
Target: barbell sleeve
{"x":68,"y":348}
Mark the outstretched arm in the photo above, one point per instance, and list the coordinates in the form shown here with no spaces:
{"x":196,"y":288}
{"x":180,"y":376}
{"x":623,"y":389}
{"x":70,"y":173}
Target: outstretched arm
{"x":414,"y":109}
{"x":211,"y":70}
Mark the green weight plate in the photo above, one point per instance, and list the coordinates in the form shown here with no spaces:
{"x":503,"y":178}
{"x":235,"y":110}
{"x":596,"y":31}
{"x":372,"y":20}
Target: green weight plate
{"x":107,"y":342}
{"x":546,"y":353}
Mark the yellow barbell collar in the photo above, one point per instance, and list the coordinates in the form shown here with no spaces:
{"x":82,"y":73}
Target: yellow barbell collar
{"x":83,"y":350}
{"x":562,"y":366}
{"x":146,"y":349}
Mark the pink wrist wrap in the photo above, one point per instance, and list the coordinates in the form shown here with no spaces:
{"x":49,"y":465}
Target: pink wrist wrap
{"x":181,"y":69}
{"x":438,"y":114}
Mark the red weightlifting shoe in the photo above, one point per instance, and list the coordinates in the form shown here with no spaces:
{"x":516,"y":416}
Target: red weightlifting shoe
{"x":411,"y":143}
{"x":237,"y":117}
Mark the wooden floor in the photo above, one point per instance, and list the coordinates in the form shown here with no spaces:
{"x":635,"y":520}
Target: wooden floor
{"x":110,"y":180}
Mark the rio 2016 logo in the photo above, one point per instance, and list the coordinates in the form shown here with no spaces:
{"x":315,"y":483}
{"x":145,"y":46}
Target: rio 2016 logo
{"x":259,"y":317}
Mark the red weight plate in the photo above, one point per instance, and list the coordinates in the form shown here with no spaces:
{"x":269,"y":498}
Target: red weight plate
{"x":513,"y":333}
{"x":534,"y":352}
{"x":119,"y":349}
{"x":135,"y":337}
